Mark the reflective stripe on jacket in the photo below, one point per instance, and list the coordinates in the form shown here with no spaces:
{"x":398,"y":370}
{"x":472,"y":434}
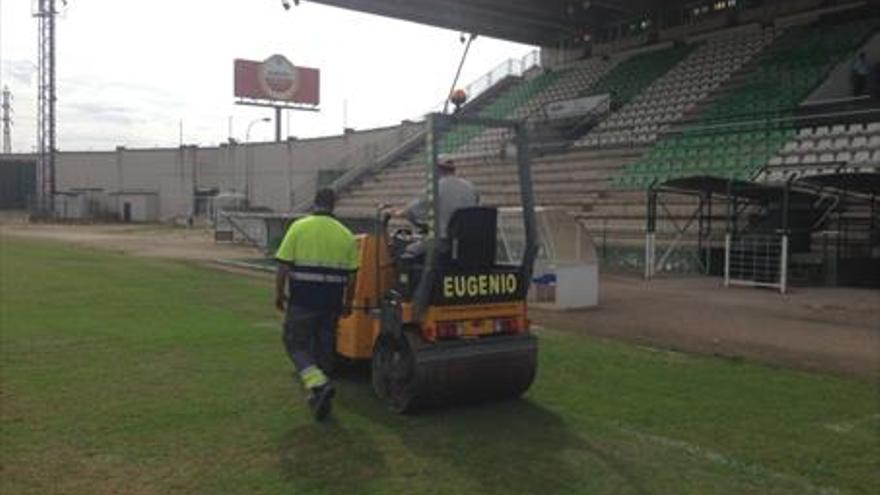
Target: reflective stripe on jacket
{"x":321,"y":253}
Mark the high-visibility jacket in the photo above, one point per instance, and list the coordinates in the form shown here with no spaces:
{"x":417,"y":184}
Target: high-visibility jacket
{"x":322,"y":254}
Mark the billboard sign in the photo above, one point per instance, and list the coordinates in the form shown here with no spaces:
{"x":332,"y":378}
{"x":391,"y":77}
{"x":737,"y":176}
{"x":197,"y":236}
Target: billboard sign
{"x":277,"y":79}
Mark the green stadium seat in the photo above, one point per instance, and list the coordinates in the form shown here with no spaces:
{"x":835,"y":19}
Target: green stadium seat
{"x":758,"y":114}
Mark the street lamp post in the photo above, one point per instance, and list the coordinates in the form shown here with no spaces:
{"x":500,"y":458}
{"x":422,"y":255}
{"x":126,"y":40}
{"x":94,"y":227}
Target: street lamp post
{"x":248,"y":159}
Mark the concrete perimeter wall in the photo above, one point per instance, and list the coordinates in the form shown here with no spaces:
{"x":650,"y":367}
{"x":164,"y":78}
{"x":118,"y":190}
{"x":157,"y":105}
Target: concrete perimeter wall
{"x":272,"y":175}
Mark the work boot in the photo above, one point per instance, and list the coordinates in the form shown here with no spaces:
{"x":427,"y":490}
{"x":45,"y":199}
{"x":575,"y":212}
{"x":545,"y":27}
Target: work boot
{"x":320,"y":401}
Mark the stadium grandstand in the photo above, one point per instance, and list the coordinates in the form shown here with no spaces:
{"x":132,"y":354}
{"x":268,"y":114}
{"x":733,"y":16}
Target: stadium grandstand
{"x":728,"y":122}
{"x":718,"y":137}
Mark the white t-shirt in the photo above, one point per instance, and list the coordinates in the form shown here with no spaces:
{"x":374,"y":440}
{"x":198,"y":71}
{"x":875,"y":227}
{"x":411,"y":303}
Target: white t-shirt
{"x":453,"y":193}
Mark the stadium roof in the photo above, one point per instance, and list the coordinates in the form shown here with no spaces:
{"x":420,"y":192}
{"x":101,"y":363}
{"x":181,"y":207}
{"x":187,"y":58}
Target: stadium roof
{"x":535,"y":22}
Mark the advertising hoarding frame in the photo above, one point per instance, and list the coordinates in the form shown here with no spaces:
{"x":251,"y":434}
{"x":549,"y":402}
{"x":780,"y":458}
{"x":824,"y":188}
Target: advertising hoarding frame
{"x":253,"y":87}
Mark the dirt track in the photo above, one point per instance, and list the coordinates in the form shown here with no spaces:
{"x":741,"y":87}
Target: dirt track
{"x":834,"y":330}
{"x":150,"y":241}
{"x":810,"y":328}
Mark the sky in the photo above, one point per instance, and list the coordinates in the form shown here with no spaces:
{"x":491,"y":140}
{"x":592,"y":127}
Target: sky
{"x":130,"y":71}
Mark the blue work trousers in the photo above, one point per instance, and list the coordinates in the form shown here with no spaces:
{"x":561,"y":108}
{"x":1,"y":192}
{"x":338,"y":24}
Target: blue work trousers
{"x":310,"y":337}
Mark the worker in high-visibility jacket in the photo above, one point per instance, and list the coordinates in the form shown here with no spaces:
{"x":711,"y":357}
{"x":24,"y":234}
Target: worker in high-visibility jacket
{"x":317,"y":261}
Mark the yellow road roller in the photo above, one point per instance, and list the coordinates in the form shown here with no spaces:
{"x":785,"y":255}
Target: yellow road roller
{"x":452,"y":327}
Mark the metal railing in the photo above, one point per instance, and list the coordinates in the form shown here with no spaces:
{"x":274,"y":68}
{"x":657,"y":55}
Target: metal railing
{"x":508,"y":68}
{"x":356,"y":173}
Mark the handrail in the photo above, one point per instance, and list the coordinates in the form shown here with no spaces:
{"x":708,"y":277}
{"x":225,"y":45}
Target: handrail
{"x":229,"y":219}
{"x":354,"y":174}
{"x":835,"y":200}
{"x":510,"y":67}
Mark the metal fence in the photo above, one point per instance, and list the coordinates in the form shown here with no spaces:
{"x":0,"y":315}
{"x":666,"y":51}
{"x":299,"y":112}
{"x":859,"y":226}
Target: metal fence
{"x":756,"y":260}
{"x":510,"y":67}
{"x":261,"y":230}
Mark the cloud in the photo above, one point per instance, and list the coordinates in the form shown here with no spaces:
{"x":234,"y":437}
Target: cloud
{"x":20,"y":71}
{"x":106,"y":114}
{"x":89,"y":88}
{"x":125,"y":83}
{"x":96,"y":112}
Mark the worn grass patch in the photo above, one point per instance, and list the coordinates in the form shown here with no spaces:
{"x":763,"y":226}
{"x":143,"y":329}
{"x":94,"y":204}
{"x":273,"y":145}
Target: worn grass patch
{"x":128,"y":375}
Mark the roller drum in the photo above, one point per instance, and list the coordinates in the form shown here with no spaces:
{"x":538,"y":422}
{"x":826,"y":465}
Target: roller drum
{"x":409,"y":373}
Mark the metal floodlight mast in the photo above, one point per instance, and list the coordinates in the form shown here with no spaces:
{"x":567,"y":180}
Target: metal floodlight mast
{"x":46,"y":107}
{"x":6,"y":107}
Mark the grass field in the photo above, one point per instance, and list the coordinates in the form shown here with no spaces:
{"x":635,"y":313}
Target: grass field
{"x":130,"y":375}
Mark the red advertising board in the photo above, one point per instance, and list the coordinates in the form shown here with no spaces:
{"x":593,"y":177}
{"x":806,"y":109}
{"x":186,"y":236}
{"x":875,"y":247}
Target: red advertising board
{"x":277,"y":79}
